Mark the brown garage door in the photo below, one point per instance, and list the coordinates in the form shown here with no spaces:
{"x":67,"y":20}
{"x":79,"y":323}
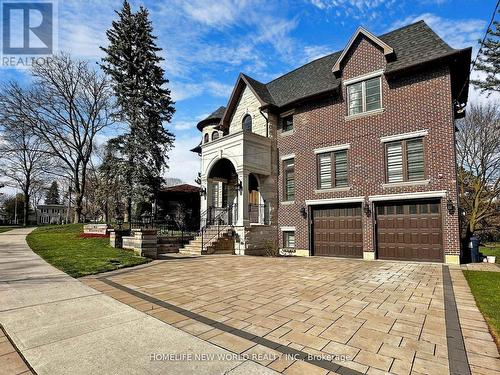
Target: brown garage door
{"x":410,"y":231}
{"x":337,"y":231}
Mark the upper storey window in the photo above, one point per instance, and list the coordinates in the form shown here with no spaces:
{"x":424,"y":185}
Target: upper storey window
{"x":215,"y":135}
{"x":364,"y":96}
{"x":287,"y":123}
{"x":206,"y":138}
{"x":247,"y":123}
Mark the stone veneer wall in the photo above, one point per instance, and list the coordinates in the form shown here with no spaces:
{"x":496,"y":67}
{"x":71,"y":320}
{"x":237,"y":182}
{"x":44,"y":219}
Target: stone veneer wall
{"x":248,"y":104}
{"x":255,"y":239}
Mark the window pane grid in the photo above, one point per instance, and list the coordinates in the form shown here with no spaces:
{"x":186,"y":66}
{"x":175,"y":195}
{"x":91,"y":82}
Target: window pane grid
{"x":332,"y":170}
{"x":289,"y":169}
{"x":364,"y":96}
{"x":405,"y":161}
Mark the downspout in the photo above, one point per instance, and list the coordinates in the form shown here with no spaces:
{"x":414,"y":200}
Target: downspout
{"x":267,"y":122}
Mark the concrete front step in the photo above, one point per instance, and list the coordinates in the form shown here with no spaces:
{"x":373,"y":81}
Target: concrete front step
{"x":213,"y":241}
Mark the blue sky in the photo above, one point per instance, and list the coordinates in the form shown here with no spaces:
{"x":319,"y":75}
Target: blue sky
{"x":207,"y":43}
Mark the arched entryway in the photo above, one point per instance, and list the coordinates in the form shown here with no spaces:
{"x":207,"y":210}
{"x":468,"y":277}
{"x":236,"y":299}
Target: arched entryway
{"x":222,"y":191}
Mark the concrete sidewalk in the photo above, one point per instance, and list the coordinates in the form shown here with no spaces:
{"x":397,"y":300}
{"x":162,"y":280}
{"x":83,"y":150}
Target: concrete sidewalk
{"x":62,"y":326}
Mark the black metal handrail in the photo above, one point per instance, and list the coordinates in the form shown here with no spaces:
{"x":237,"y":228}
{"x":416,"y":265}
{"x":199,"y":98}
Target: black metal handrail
{"x":220,"y":218}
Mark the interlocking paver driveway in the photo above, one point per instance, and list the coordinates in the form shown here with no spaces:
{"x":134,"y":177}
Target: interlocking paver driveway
{"x":372,"y":317}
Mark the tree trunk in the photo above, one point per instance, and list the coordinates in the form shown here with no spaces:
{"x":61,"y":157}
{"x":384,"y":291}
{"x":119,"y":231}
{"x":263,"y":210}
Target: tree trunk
{"x":26,"y":208}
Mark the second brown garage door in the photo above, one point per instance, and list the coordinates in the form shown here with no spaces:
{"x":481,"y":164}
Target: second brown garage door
{"x":410,"y":231}
{"x":337,"y":231}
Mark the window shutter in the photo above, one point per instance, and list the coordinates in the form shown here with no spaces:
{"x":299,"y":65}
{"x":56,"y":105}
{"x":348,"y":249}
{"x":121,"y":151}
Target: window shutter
{"x":341,"y":169}
{"x":289,"y":179}
{"x":372,"y":88}
{"x":415,"y":149}
{"x":395,"y":162}
{"x":325,"y":171}
{"x":355,"y":94}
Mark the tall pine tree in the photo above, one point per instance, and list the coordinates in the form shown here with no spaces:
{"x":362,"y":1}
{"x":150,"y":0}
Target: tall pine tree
{"x":489,"y":61}
{"x":53,"y":196}
{"x":133,"y":62}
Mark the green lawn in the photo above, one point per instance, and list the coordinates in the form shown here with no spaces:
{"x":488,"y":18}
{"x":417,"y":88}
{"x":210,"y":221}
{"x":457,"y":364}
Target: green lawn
{"x":5,"y":229}
{"x":492,"y":248}
{"x":62,"y":247}
{"x":485,"y":287}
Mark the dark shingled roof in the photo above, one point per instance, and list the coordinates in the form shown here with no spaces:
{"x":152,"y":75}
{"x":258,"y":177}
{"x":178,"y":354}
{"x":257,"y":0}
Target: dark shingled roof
{"x":213,"y":118}
{"x":414,"y":46}
{"x":183,"y":188}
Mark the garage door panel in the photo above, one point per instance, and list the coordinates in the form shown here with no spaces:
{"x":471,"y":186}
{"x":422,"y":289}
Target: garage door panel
{"x":337,"y":231}
{"x":410,"y":231}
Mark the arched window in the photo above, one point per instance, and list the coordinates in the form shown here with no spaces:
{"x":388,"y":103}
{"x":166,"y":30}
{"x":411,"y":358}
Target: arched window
{"x":215,"y":135}
{"x":247,"y":123}
{"x":206,"y":138}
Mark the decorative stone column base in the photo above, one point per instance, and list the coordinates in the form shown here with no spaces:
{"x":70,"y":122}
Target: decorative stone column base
{"x":116,"y":237}
{"x":452,"y":259}
{"x":368,"y":255}
{"x":146,"y":243}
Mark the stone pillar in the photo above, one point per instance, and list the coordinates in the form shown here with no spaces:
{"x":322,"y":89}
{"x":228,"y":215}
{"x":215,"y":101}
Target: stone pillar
{"x":146,"y":243}
{"x":368,"y":222}
{"x":116,"y":237}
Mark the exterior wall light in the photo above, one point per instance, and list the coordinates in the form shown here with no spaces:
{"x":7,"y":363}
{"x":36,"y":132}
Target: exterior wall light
{"x":367,"y":210}
{"x":146,"y":219}
{"x":450,"y":207}
{"x":303,"y":212}
{"x":203,"y":192}
{"x":239,"y":186}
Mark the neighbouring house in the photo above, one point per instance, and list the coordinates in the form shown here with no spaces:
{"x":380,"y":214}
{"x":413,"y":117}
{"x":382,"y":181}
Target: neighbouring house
{"x":51,"y":214}
{"x":4,"y":218}
{"x":181,"y":205}
{"x":350,"y":155}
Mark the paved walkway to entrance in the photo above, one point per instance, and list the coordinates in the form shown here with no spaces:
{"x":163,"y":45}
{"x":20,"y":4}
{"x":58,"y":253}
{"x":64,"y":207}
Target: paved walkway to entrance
{"x":62,"y":326}
{"x":318,"y":315}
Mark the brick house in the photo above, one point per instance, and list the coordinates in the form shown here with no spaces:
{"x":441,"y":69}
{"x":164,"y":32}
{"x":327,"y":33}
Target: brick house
{"x":350,"y":155}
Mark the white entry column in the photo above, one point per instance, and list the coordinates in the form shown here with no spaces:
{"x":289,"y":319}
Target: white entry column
{"x":243,"y":219}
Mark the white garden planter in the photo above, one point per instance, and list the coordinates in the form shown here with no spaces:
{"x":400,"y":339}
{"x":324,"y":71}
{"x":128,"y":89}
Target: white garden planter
{"x":491,"y":259}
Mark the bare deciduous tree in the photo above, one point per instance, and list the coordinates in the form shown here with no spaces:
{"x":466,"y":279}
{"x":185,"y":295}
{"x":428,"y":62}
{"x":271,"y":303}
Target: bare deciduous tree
{"x":478,"y":157}
{"x":66,"y":107}
{"x":23,"y":159}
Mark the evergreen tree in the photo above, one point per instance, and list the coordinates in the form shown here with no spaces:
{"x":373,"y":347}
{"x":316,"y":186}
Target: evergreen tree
{"x":53,"y":196}
{"x":132,"y":61}
{"x":489,"y":61}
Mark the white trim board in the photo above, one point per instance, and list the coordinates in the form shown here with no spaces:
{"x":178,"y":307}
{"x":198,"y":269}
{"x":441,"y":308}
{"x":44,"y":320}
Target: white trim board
{"x":332,"y":148}
{"x":363,"y":77}
{"x":286,"y":157}
{"x":404,"y":196}
{"x":316,"y":202}
{"x":398,"y":137}
{"x":287,"y":229}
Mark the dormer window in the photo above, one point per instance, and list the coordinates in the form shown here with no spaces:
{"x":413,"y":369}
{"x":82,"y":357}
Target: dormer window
{"x":206,"y":138}
{"x":364,"y":95}
{"x":247,"y":123}
{"x":215,"y":135}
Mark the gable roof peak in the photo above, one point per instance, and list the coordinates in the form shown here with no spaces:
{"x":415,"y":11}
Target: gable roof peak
{"x":388,"y":50}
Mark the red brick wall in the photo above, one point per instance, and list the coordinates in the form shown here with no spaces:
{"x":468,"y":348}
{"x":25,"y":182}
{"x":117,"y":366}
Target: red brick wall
{"x":421,"y":101}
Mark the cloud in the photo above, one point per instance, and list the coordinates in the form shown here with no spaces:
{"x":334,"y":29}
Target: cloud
{"x":184,"y":125}
{"x":357,"y":9}
{"x":183,"y":91}
{"x":183,"y":163}
{"x":458,"y":33}
{"x":315,"y":52}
